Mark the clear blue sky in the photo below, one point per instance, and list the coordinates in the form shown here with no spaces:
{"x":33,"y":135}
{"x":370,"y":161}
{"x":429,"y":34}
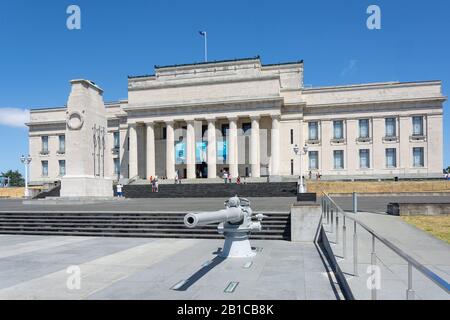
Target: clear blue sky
{"x":39,"y":55}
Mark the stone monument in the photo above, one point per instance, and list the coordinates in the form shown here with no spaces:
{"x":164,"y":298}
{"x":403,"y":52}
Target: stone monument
{"x":86,"y":126}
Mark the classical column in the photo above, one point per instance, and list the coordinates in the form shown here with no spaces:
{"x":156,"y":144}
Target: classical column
{"x":170,"y":152}
{"x":212,"y":152}
{"x":254,"y":148}
{"x":150,"y":149}
{"x":275,"y":145}
{"x":232,"y":148}
{"x":190,"y":150}
{"x":133,"y":151}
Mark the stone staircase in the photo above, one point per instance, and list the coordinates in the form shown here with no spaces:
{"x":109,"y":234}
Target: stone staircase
{"x":54,"y":192}
{"x":114,"y":224}
{"x":274,"y":189}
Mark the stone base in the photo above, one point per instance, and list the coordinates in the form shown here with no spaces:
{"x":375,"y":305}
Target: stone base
{"x":92,"y":187}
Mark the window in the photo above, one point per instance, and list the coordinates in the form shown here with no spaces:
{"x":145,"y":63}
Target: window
{"x":62,"y":167}
{"x":338,"y":131}
{"x":292,"y":167}
{"x":391,"y":158}
{"x":418,"y":157}
{"x":338,"y":159}
{"x":44,"y":140}
{"x":391,"y":127}
{"x":164,"y":133}
{"x":116,"y":136}
{"x":128,"y":144}
{"x":313,"y":130}
{"x":116,"y":166}
{"x":364,"y":128}
{"x":292,"y":136}
{"x":364,"y":158}
{"x":44,"y":168}
{"x":313,"y":160}
{"x":62,"y":144}
{"x":417,"y":126}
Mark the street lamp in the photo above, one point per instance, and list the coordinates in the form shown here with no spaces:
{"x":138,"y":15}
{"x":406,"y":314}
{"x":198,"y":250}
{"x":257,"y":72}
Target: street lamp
{"x":26,"y":161}
{"x":301,"y":153}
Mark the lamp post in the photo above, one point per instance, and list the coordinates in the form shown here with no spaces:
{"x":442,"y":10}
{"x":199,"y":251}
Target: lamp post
{"x":301,"y":153}
{"x":26,"y":161}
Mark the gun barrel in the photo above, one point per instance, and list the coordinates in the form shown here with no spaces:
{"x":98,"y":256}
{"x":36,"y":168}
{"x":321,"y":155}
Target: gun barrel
{"x":233,"y":215}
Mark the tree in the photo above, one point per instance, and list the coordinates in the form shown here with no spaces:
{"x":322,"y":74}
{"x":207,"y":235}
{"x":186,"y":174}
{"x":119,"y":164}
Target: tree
{"x":447,"y":170}
{"x":15,"y":178}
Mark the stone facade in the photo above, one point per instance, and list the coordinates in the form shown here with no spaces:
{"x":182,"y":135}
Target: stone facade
{"x":246,"y":117}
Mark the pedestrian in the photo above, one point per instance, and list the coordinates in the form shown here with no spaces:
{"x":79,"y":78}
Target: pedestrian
{"x":176,"y":177}
{"x":229,"y":178}
{"x":225,"y":176}
{"x":310,"y":175}
{"x":156,"y":184}
{"x":119,"y":190}
{"x":238,"y":180}
{"x":153,"y":185}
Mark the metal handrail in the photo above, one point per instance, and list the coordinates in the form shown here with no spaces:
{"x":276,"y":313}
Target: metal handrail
{"x":411,"y":261}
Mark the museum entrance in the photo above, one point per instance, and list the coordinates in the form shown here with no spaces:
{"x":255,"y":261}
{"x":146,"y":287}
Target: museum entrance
{"x":201,"y":170}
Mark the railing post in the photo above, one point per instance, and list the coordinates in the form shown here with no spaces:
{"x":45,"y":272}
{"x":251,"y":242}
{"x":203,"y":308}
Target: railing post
{"x":373,"y":261}
{"x":328,"y":213}
{"x":410,"y":295}
{"x":337,"y":226}
{"x":344,"y":239}
{"x":355,"y":250}
{"x":355,"y":202}
{"x":332,"y":219}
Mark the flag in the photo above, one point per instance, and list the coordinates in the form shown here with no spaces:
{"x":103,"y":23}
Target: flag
{"x":202,"y":33}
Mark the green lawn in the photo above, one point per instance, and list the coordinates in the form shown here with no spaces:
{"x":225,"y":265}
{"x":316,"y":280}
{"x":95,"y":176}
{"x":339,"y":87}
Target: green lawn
{"x":438,"y":226}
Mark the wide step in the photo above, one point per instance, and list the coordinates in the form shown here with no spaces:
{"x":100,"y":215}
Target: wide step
{"x":130,"y":224}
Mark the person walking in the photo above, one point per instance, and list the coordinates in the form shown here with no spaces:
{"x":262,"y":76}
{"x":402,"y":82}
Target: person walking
{"x":119,"y":190}
{"x":156,"y":184}
{"x":225,"y":176}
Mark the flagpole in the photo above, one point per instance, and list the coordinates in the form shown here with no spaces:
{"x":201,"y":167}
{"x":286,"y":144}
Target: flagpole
{"x":206,"y":47}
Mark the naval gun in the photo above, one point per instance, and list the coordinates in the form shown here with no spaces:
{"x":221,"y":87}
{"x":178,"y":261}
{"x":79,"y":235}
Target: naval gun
{"x":236,"y":222}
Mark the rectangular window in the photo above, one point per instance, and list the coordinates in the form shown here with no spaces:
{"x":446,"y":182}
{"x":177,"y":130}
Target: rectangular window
{"x":116,"y":139}
{"x":364,"y":128}
{"x":62,"y":167}
{"x":391,"y":127}
{"x":338,"y":159}
{"x":313,"y":131}
{"x":418,"y":157}
{"x":62,"y":144}
{"x":391,"y":158}
{"x":338,"y":129}
{"x":292,"y":136}
{"x":44,"y":168}
{"x":164,"y":133}
{"x":292,"y":167}
{"x":313,"y":160}
{"x":364,"y":158}
{"x":128,"y":144}
{"x":44,"y":140}
{"x":417,"y":126}
{"x":116,"y":166}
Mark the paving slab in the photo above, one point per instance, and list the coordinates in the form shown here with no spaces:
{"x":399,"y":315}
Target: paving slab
{"x":124,"y":268}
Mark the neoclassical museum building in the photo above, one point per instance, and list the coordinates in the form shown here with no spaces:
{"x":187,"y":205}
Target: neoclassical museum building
{"x":242,"y":116}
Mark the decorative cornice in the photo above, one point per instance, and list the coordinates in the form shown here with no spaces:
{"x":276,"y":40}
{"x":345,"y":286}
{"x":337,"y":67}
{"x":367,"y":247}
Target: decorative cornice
{"x":376,"y":102}
{"x":275,"y":100}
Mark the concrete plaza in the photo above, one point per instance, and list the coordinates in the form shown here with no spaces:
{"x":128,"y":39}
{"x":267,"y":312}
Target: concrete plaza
{"x":35,"y":267}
